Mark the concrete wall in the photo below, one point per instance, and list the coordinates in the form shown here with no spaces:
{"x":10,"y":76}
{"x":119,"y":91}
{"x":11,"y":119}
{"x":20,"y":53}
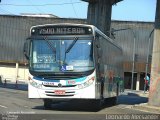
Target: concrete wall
{"x":9,"y":73}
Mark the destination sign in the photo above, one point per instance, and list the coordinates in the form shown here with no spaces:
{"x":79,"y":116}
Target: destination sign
{"x":61,"y":30}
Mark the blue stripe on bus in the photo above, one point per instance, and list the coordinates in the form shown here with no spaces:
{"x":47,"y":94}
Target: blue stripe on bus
{"x":49,"y":80}
{"x":46,"y":80}
{"x":80,"y":79}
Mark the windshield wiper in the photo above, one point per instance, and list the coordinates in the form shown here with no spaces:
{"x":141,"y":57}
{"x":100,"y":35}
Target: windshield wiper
{"x":50,"y":45}
{"x":71,"y":45}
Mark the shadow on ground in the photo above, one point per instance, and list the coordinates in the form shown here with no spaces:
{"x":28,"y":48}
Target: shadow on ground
{"x":131,"y":99}
{"x":128,"y":98}
{"x":23,"y":87}
{"x":83,"y":106}
{"x":74,"y":105}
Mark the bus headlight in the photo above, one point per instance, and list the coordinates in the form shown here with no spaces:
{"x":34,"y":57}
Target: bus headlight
{"x":87,"y":83}
{"x":35,"y":84}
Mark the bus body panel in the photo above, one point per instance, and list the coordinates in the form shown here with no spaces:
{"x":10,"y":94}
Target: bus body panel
{"x":108,"y":70}
{"x":109,"y":65}
{"x":79,"y":91}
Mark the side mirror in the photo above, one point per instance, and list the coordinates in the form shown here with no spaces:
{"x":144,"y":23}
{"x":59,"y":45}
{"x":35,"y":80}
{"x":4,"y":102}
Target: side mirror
{"x":26,"y":49}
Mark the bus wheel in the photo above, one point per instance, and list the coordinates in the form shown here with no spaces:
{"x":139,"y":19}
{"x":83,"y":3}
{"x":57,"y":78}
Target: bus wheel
{"x":96,"y":105}
{"x":47,"y":103}
{"x":111,"y":101}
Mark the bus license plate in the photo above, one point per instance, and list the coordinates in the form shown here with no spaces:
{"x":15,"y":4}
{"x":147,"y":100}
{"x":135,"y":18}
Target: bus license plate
{"x":59,"y":92}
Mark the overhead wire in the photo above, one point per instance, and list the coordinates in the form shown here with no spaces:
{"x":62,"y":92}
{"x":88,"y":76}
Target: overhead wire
{"x":36,"y":7}
{"x":74,"y":9}
{"x":41,"y":4}
{"x":32,"y":21}
{"x":7,"y":12}
{"x":27,"y":20}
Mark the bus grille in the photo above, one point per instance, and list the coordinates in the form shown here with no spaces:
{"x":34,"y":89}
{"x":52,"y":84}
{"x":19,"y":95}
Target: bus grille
{"x":60,"y":95}
{"x":67,"y":94}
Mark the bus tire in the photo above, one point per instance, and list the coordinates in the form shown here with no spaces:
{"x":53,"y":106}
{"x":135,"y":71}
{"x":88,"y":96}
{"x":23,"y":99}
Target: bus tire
{"x":47,"y":104}
{"x":111,"y":101}
{"x":96,"y":105}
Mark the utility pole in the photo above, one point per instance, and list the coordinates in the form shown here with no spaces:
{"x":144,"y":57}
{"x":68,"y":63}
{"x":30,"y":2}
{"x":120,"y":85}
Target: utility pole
{"x":154,"y":92}
{"x":133,"y":60}
{"x":99,"y":13}
{"x":147,"y":61}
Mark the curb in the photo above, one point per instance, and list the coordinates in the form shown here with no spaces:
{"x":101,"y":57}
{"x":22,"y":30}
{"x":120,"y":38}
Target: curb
{"x":147,"y":108}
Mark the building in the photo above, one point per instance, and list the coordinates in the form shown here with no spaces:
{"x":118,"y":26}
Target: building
{"x":15,"y":29}
{"x":127,"y":34}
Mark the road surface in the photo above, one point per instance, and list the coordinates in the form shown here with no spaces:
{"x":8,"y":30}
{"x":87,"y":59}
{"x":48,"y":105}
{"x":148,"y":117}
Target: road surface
{"x":15,"y":104}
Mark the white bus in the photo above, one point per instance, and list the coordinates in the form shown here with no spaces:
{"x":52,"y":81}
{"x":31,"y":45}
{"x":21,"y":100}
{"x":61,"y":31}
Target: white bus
{"x":72,"y":61}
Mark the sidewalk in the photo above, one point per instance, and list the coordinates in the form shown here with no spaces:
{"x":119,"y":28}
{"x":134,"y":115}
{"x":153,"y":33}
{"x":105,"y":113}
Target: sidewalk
{"x":17,"y":86}
{"x":140,"y":93}
{"x":147,"y":108}
{"x":142,"y":106}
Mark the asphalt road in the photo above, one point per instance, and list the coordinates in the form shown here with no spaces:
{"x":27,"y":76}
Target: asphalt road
{"x":14,"y":104}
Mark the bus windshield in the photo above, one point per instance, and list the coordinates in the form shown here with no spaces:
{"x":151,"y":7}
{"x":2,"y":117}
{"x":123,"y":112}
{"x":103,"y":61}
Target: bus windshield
{"x":75,"y":55}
